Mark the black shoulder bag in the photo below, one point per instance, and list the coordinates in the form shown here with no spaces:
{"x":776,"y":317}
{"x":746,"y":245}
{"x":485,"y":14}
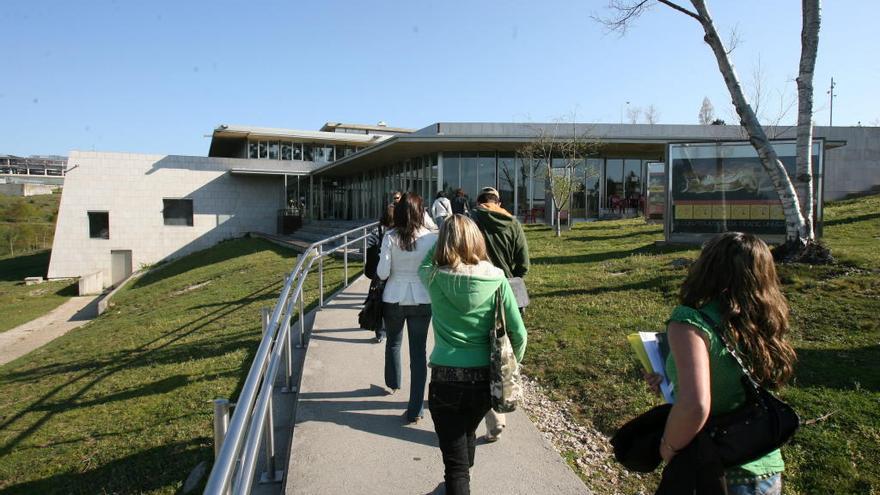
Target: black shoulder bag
{"x":370,"y":317}
{"x":761,"y":425}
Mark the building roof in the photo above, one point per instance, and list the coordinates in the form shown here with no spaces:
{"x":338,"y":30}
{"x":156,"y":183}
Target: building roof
{"x":648,"y":139}
{"x":240,"y":131}
{"x":380,"y":127}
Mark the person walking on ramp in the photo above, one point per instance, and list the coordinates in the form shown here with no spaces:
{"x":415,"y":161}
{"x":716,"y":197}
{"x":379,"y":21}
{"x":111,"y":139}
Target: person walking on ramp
{"x":462,"y":285}
{"x":405,"y":299}
{"x":507,"y":248}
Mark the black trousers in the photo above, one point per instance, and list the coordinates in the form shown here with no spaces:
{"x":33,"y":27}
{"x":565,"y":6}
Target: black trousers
{"x":457,"y":409}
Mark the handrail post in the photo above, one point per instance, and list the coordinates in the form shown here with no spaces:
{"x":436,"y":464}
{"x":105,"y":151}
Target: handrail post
{"x":221,"y":423}
{"x":345,"y":260}
{"x":270,"y":475}
{"x":265,"y":314}
{"x":364,"y":252}
{"x":302,"y":320}
{"x":288,"y":352}
{"x":320,"y":275}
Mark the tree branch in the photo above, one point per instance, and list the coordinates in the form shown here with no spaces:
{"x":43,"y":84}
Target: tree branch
{"x":682,"y":10}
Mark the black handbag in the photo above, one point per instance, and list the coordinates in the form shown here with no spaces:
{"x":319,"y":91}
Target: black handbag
{"x":370,"y":317}
{"x":762,"y":424}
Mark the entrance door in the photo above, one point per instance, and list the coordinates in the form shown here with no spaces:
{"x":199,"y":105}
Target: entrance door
{"x":120,"y":266}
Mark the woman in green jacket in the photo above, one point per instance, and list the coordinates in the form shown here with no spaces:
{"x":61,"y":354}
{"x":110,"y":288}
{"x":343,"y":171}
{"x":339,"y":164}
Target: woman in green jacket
{"x":461,"y":283}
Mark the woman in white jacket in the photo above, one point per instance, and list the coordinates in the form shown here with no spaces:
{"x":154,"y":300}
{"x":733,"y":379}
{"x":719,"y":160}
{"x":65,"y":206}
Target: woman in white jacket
{"x":405,"y":298}
{"x":441,"y":208}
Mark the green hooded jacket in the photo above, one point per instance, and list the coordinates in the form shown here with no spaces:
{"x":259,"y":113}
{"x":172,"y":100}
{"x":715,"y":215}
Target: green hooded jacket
{"x":505,"y":240}
{"x":463,"y":308}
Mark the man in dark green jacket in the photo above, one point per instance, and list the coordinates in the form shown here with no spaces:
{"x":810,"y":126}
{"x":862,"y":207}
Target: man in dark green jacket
{"x":505,"y":239}
{"x":508,"y":250}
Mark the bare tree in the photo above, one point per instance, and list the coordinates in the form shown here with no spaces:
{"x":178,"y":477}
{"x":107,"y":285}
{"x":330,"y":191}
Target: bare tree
{"x":707,"y":112}
{"x":770,"y":112}
{"x":798,"y":232}
{"x":554,"y":155}
{"x":804,"y":146}
{"x":633,"y":114}
{"x":652,"y":115}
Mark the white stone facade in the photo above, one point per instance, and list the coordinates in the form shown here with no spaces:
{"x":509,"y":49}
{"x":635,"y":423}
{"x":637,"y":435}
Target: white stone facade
{"x":131,"y":188}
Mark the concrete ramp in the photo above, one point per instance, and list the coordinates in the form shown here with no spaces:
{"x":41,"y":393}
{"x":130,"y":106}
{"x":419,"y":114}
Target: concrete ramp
{"x":350,"y":435}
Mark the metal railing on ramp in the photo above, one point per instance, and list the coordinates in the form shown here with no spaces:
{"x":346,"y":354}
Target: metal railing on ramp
{"x":238,"y":440}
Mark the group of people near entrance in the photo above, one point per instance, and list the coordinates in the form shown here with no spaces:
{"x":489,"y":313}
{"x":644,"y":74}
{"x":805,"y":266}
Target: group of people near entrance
{"x":445,"y":268}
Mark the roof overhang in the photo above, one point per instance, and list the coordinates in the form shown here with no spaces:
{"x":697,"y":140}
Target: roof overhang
{"x":251,"y":171}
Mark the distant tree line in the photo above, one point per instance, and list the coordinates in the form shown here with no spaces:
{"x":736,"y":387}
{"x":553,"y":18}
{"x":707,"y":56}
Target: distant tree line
{"x":27,"y":224}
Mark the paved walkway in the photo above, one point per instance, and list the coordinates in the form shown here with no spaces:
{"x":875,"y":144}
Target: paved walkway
{"x":36,"y":333}
{"x":350,"y":436}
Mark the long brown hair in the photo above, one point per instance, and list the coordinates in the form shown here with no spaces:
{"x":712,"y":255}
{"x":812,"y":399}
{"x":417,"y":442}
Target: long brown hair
{"x":737,"y":270}
{"x":386,"y":220}
{"x":459,"y":242}
{"x":409,"y":218}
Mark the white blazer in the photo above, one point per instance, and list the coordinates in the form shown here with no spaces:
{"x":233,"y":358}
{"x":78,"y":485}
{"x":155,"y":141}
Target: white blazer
{"x":401,"y":268}
{"x":441,"y":208}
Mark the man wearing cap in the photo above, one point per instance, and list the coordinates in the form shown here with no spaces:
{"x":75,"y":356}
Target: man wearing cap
{"x":508,"y":250}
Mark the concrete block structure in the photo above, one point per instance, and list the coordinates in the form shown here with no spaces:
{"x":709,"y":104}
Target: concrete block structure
{"x":228,"y":198}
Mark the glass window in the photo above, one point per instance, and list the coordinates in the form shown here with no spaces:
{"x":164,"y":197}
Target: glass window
{"x":297,"y":149}
{"x":177,"y":211}
{"x":614,"y":192}
{"x":470,"y":177}
{"x":486,"y":171}
{"x":632,"y":182}
{"x":323,"y":153}
{"x":285,"y":150}
{"x":507,"y":179}
{"x":99,"y":224}
{"x":252,"y":149}
{"x":308,"y":153}
{"x":592,"y":173}
{"x":273,"y":150}
{"x":451,"y":173}
{"x":538,"y":187}
{"x":434,"y":170}
{"x":264,"y":149}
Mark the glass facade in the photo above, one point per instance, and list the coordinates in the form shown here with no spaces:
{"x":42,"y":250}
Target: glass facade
{"x":292,"y":150}
{"x":599,"y":185}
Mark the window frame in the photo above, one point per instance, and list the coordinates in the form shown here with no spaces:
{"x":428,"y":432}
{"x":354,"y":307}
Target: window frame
{"x":189,"y":221}
{"x":89,"y":214}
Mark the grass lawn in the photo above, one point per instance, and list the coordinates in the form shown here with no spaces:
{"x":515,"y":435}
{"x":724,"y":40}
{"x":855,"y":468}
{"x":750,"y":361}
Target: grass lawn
{"x":22,"y":303}
{"x":121,"y":405}
{"x":606,"y":279}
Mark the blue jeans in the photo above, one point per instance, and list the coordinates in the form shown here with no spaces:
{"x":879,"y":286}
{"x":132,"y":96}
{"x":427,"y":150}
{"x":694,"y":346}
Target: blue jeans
{"x":768,"y":486}
{"x":457,"y":409}
{"x":417,"y":319}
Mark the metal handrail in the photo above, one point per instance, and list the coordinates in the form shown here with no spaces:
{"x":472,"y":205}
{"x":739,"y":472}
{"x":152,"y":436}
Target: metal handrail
{"x":251,"y":423}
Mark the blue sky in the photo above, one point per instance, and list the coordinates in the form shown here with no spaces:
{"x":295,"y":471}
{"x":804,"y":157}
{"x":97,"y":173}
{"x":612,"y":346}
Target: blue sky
{"x":158,"y":76}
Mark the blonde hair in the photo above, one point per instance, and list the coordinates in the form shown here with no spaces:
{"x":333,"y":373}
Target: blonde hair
{"x":459,"y":242}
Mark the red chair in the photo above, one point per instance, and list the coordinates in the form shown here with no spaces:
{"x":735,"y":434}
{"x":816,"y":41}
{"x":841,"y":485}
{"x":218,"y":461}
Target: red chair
{"x":616,"y":204}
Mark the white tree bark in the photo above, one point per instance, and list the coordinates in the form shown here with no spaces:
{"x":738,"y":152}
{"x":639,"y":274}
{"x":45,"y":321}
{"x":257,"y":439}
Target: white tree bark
{"x":809,"y":47}
{"x":795,"y":226}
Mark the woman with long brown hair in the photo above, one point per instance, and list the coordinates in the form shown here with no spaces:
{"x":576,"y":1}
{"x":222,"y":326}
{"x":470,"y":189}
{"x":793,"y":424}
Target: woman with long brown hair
{"x":462,"y":283}
{"x":732,"y":288}
{"x":405,"y":299}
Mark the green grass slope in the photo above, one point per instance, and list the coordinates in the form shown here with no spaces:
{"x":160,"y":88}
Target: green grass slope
{"x":121,"y":405}
{"x":604,"y":280}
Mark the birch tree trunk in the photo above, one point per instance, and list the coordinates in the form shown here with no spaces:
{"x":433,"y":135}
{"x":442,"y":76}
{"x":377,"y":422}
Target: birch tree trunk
{"x":809,"y":47}
{"x":795,"y":227}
